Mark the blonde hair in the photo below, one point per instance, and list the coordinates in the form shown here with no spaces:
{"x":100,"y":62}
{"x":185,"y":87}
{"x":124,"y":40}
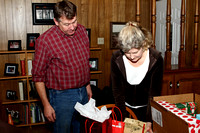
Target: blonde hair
{"x":133,"y":35}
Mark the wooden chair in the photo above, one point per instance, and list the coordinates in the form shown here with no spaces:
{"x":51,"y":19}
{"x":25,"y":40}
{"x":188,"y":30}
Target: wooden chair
{"x":131,"y":113}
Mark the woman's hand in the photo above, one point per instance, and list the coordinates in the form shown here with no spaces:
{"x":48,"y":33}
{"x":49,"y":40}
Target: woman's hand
{"x":149,"y":129}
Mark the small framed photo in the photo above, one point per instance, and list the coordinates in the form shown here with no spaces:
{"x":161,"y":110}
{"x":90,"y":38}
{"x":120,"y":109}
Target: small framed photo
{"x":14,"y":45}
{"x":115,"y":28}
{"x":11,"y":69}
{"x":11,"y":95}
{"x":93,"y":64}
{"x":43,"y":13}
{"x":94,"y":82}
{"x":89,"y":33}
{"x":31,"y":38}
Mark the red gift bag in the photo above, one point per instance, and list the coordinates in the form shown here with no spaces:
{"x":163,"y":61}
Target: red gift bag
{"x":107,"y":126}
{"x":92,"y":126}
{"x":110,"y":125}
{"x":117,"y":126}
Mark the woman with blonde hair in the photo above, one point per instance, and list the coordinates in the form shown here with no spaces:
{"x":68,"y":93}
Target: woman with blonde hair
{"x":136,"y":71}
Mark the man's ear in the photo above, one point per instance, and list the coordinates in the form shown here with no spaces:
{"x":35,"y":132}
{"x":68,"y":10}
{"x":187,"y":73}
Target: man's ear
{"x":55,"y":21}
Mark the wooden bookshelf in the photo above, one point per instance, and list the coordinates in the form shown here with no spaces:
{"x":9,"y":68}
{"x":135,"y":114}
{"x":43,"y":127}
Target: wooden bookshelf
{"x":10,"y":83}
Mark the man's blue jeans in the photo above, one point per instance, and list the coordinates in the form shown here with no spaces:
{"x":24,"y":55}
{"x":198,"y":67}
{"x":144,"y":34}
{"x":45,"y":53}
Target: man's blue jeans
{"x":63,"y":102}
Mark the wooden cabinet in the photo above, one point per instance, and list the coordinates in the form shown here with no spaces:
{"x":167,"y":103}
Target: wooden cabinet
{"x":168,"y":84}
{"x":179,"y":81}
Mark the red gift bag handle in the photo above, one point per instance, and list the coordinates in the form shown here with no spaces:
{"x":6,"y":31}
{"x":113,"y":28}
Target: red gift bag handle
{"x":86,"y":125}
{"x":113,"y":113}
{"x":91,"y":126}
{"x":143,"y":128}
{"x":90,"y":129}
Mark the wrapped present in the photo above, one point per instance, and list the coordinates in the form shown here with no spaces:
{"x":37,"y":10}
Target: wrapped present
{"x":191,"y":108}
{"x":188,"y":107}
{"x":134,"y":126}
{"x":181,"y":106}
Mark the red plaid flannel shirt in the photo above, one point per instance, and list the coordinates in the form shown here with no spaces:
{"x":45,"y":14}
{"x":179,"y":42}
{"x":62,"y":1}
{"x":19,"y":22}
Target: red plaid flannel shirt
{"x":60,"y":61}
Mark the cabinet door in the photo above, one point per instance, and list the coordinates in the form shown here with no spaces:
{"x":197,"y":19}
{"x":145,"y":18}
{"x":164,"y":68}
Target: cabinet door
{"x":168,"y":84}
{"x":187,"y":83}
{"x":184,"y":86}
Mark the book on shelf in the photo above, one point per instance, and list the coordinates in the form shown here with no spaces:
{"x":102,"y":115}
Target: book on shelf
{"x":33,"y":92}
{"x":22,"y":65}
{"x":36,"y":113}
{"x":26,"y":114}
{"x":42,"y":116}
{"x":25,"y":89}
{"x":32,"y":112}
{"x":29,"y":62}
{"x":21,"y":90}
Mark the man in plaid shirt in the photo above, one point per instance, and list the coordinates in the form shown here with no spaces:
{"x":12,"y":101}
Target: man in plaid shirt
{"x":61,"y":64}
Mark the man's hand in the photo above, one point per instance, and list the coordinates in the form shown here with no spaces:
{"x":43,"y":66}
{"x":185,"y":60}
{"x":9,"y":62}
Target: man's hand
{"x":49,"y":113}
{"x":89,"y":91}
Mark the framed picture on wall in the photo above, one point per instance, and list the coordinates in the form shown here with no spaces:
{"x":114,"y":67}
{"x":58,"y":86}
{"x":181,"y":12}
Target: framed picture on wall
{"x":11,"y":69}
{"x":43,"y":13}
{"x":31,"y":38}
{"x":94,"y":82}
{"x":89,"y":34}
{"x":115,"y":28}
{"x":93,"y":64}
{"x":14,"y":45}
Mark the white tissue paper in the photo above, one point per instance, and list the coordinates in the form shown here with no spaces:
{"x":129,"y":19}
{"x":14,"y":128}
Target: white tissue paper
{"x":90,"y":111}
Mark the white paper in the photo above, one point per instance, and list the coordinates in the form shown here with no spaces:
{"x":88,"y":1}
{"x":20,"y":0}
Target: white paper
{"x":90,"y":111}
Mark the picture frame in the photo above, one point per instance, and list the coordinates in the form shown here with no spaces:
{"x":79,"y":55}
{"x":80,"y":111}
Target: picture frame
{"x":94,"y":82}
{"x":11,"y":95}
{"x":89,"y":34}
{"x":30,"y":42}
{"x":115,"y":28}
{"x":14,"y":45}
{"x":93,"y":64}
{"x":11,"y":69}
{"x":43,"y":13}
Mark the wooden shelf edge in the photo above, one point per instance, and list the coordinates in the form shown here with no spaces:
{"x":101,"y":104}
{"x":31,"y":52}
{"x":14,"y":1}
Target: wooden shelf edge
{"x":31,"y":124}
{"x":14,"y":102}
{"x":34,"y":100}
{"x":95,"y":72}
{"x":19,"y":101}
{"x":15,"y":77}
{"x":16,"y":52}
{"x":95,"y":49}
